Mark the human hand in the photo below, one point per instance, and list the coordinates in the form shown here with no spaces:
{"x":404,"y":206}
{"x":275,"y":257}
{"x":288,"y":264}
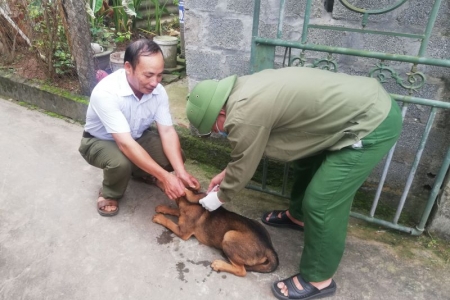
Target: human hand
{"x":173,"y":186}
{"x":216,"y":181}
{"x":211,"y":202}
{"x":189,"y":180}
{"x":215,"y":189}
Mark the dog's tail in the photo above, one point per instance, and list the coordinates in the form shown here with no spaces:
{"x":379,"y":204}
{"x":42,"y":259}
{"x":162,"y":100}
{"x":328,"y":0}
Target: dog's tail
{"x":269,"y":265}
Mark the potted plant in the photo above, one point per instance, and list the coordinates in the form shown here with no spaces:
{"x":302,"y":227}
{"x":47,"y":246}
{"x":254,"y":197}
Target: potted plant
{"x":168,"y":43}
{"x":102,"y":37}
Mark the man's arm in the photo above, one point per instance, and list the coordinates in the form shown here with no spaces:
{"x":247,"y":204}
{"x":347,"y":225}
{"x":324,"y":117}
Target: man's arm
{"x":173,"y":187}
{"x":172,"y":149}
{"x":248,"y":143}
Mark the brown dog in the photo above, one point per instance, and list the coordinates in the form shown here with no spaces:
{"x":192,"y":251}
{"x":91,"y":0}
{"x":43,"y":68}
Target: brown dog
{"x":245,"y":242}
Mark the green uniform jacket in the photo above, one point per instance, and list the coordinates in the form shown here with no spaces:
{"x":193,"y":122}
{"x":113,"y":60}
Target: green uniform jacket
{"x":296,"y":112}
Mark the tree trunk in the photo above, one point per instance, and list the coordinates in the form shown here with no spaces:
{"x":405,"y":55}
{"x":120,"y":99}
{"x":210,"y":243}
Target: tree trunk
{"x":80,"y":41}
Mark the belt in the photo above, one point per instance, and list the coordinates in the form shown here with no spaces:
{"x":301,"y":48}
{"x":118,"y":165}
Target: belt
{"x":87,"y":135}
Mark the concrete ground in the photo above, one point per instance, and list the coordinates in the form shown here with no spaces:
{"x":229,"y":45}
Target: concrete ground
{"x":54,"y":245}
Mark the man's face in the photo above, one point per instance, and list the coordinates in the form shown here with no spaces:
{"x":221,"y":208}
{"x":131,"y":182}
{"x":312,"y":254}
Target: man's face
{"x":147,"y":74}
{"x":220,"y":121}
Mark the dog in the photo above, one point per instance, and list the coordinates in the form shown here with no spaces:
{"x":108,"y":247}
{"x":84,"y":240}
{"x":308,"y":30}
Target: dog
{"x":245,"y":242}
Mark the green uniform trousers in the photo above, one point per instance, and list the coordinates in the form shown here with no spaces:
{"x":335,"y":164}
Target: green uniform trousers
{"x":117,"y":168}
{"x":323,"y":192}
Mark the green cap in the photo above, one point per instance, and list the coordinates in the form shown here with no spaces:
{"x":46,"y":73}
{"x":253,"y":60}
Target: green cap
{"x":205,"y":101}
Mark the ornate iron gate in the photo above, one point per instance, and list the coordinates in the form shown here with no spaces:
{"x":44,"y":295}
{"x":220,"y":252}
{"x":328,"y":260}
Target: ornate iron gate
{"x":263,"y":56}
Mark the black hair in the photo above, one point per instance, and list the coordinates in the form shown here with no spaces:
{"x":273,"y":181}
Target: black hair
{"x":141,"y":47}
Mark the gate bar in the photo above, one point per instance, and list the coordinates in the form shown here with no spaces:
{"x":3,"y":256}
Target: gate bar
{"x":406,"y":35}
{"x":386,"y":169}
{"x":430,"y":25}
{"x":347,"y":51}
{"x":435,"y":191}
{"x":415,"y":164}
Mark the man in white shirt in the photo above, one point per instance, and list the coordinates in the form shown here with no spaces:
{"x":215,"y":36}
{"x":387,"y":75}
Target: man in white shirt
{"x":117,"y":136}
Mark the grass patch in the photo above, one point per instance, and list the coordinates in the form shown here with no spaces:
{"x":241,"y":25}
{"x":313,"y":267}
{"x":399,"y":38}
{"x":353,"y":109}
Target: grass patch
{"x":65,"y":94}
{"x":362,"y":203}
{"x":425,"y":247}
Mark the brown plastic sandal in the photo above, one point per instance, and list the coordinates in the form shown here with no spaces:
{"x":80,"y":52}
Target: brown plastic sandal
{"x":107,"y":202}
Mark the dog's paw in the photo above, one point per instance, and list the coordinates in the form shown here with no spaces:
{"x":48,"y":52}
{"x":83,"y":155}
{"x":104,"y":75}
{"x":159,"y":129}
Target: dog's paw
{"x":222,"y":266}
{"x":160,"y":209}
{"x":217,"y":265}
{"x":158,"y":219}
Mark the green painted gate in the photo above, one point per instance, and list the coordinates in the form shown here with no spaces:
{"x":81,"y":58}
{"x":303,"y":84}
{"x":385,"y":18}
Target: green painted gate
{"x":265,"y":52}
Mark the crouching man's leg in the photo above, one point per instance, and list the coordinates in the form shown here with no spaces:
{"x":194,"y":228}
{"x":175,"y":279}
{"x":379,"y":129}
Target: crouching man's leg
{"x":116,"y":172}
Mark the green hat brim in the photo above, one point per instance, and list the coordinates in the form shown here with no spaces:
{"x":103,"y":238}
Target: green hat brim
{"x":217,"y":101}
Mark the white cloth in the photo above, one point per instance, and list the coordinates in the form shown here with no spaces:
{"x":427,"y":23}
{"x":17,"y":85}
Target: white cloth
{"x":113,"y":108}
{"x":211,"y":201}
{"x":357,"y":145}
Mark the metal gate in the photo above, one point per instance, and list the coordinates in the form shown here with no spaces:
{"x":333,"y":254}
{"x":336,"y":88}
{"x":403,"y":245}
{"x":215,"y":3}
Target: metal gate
{"x":264,"y":55}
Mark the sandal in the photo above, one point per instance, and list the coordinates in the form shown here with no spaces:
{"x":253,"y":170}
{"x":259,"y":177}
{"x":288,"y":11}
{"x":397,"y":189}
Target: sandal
{"x":309,"y":291}
{"x":107,"y":202}
{"x":282,"y":221}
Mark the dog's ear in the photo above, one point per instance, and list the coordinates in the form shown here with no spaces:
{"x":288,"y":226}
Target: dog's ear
{"x":195,"y":188}
{"x":194,"y":196}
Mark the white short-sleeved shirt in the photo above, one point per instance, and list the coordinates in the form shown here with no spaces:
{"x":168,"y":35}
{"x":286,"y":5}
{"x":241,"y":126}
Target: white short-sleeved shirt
{"x":113,"y":108}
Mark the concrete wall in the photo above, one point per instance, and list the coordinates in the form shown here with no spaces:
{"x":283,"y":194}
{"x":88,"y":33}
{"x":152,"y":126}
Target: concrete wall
{"x":218,"y":44}
{"x":51,"y":99}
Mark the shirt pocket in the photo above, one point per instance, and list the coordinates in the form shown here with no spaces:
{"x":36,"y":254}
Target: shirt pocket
{"x":141,"y":124}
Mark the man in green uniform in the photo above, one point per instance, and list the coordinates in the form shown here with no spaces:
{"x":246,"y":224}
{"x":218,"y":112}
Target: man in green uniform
{"x":334,"y":127}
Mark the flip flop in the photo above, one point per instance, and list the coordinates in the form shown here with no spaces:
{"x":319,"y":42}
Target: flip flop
{"x":107,"y":202}
{"x":283,"y":221}
{"x":309,"y":291}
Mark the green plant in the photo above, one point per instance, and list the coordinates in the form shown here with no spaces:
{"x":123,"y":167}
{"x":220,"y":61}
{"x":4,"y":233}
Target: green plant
{"x":159,"y":11}
{"x":50,"y":39}
{"x":103,"y":35}
{"x":123,"y":36}
{"x":62,"y":58}
{"x":125,"y":14}
{"x":171,"y":25}
{"x":99,"y":13}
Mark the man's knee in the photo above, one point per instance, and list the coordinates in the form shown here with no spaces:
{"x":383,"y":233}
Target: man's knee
{"x":119,"y":164}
